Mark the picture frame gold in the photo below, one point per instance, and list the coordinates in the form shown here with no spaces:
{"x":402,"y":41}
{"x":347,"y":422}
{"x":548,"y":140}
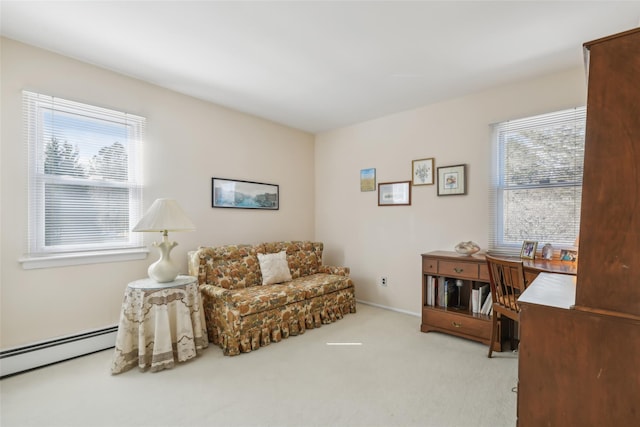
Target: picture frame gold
{"x":422,"y":171}
{"x":528,"y":250}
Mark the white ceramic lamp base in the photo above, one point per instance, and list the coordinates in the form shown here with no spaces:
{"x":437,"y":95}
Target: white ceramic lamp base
{"x":164,"y":270}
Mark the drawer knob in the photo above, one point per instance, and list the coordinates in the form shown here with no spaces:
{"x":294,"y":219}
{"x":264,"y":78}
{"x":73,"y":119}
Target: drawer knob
{"x":456,"y":324}
{"x":458,"y":270}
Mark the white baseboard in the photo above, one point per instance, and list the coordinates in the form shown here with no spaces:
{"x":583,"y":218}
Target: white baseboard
{"x":388,"y":308}
{"x":44,"y":353}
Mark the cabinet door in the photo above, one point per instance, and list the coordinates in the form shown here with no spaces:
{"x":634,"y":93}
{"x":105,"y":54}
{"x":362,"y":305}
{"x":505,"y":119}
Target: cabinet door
{"x":600,"y":388}
{"x":609,"y":258}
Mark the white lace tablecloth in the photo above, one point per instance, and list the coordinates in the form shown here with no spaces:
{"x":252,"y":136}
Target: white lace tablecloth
{"x":160,"y":323}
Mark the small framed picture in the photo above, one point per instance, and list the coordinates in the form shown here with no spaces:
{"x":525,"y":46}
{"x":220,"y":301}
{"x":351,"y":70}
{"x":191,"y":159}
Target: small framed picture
{"x":368,"y":179}
{"x":452,"y":180}
{"x":394,"y":193}
{"x":568,"y":255}
{"x":529,"y":249}
{"x":422,"y":171}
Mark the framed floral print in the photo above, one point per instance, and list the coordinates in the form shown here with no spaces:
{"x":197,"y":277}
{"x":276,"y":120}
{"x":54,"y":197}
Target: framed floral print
{"x":422,"y":171}
{"x":452,"y":180}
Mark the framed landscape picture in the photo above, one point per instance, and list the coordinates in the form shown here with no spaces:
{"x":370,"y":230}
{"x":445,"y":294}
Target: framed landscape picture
{"x":233,"y":193}
{"x":368,"y":179}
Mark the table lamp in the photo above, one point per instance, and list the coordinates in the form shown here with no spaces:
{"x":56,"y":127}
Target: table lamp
{"x":164,"y":215}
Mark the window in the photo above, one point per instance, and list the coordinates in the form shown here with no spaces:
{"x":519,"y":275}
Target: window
{"x":85,"y":190}
{"x":536,"y":185}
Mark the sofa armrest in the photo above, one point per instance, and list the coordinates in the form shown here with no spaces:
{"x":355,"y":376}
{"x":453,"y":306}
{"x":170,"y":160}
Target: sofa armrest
{"x":214,"y":291}
{"x":329,"y":269}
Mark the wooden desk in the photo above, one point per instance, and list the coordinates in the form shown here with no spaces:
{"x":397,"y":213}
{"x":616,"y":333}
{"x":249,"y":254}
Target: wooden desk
{"x":473,"y":271}
{"x":534,"y":267}
{"x":551,"y":290}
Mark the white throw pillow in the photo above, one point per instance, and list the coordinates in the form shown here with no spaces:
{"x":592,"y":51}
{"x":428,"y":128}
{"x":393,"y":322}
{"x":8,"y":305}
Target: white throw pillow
{"x":274,"y":268}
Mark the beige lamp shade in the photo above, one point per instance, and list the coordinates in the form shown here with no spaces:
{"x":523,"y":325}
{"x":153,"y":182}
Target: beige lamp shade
{"x":164,"y":215}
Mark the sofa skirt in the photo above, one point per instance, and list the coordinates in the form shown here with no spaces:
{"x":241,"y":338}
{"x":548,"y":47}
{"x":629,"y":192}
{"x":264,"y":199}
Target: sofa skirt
{"x":325,"y":309}
{"x":237,"y":334}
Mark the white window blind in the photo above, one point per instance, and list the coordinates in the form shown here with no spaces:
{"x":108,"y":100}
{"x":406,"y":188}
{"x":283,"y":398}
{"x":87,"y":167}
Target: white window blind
{"x":85,"y":177}
{"x":536,"y":183}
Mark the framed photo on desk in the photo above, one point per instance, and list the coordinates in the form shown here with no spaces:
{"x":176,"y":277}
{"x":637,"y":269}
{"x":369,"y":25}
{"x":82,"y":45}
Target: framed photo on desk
{"x":568,"y":255}
{"x":528,"y":250}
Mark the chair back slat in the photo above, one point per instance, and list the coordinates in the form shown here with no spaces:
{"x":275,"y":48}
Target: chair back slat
{"x":507,"y":283}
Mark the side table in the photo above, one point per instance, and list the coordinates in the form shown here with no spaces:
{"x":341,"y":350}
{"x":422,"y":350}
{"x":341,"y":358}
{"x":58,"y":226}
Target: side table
{"x":159,"y":324}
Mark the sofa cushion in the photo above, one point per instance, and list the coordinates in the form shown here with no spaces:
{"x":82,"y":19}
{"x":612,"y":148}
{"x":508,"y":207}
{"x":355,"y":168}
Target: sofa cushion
{"x":274,"y":268}
{"x":320,"y":284}
{"x":260,"y":298}
{"x":304,"y":258}
{"x":303,"y":263}
{"x":233,"y":267}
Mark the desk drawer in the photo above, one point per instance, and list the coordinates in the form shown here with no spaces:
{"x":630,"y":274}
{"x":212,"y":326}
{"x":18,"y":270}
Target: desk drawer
{"x":462,"y":270}
{"x":430,"y":265}
{"x":483,"y":274}
{"x":458,"y":324}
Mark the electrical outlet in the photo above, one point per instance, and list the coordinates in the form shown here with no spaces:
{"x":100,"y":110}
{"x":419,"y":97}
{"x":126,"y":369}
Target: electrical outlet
{"x":384,"y":281}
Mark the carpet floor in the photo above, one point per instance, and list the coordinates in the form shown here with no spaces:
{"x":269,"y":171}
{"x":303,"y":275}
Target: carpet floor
{"x":372,"y":368}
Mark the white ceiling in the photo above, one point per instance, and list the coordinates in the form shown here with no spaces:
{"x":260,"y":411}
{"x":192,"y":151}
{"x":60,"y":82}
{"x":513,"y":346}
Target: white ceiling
{"x":320,"y":65}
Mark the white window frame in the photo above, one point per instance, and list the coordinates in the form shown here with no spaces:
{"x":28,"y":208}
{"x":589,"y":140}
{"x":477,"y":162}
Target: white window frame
{"x":41,"y":255}
{"x":498,"y":245}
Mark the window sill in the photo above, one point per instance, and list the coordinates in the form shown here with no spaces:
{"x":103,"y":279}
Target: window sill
{"x":30,"y":262}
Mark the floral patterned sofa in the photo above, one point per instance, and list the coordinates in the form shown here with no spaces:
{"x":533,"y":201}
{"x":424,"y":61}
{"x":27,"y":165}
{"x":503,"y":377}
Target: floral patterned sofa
{"x":243,"y":314}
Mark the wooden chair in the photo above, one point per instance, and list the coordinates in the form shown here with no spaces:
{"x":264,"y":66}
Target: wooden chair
{"x":507,"y":281}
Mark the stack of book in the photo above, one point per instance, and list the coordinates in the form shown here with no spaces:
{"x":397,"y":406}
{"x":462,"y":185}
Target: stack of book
{"x":440,"y":291}
{"x":431,"y":290}
{"x":481,"y":300}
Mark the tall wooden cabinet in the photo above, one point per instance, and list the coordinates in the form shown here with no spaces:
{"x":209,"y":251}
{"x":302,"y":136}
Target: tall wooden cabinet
{"x":610,"y":220}
{"x":579,"y":359}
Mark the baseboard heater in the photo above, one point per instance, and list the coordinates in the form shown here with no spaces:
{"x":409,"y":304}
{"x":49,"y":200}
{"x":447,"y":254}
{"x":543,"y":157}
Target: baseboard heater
{"x":25,"y":358}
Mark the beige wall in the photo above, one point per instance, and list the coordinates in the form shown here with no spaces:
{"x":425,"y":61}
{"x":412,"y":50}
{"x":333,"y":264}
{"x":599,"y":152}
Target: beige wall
{"x":188,"y":142}
{"x":387,"y":241}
